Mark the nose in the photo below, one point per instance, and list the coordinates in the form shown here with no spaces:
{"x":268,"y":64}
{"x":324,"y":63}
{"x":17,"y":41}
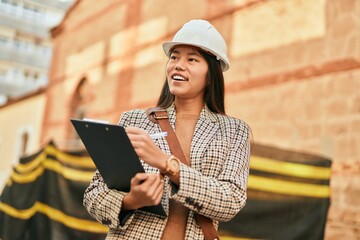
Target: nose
{"x":180,"y":65}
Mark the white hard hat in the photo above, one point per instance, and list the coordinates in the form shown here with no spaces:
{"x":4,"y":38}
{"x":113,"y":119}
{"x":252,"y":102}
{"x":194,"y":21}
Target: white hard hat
{"x":200,"y":33}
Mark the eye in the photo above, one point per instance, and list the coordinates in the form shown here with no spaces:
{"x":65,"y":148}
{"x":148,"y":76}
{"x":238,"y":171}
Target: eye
{"x":172,"y":57}
{"x":193,"y":60}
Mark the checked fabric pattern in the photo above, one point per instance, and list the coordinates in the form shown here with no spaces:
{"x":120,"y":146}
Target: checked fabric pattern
{"x":214,"y":185}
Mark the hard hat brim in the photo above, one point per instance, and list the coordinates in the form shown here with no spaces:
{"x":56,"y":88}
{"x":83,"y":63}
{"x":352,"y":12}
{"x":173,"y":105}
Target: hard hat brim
{"x":167,"y":46}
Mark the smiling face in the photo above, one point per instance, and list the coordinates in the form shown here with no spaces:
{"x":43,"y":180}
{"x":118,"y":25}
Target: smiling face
{"x":186,"y":73}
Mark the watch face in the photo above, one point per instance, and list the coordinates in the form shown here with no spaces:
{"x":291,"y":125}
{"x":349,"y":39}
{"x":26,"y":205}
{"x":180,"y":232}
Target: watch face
{"x":174,"y":165}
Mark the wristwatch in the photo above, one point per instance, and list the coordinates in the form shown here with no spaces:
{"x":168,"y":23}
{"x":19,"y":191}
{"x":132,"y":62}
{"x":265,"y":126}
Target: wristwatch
{"x":173,"y":165}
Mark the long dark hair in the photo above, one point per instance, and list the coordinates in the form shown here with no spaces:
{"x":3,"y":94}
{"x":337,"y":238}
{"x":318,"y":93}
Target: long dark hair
{"x":214,"y":92}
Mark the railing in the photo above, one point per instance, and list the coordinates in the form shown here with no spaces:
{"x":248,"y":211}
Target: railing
{"x":25,"y":53}
{"x":23,"y":18}
{"x":15,"y":83}
{"x":21,"y":12}
{"x":55,"y":4}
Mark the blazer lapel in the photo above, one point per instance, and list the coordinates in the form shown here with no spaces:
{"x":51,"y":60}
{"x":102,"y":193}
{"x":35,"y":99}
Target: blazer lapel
{"x":172,"y":115}
{"x":206,"y":127}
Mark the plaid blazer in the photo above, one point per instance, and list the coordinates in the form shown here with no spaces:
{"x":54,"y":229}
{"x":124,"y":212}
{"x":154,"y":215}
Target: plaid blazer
{"x":214,"y":185}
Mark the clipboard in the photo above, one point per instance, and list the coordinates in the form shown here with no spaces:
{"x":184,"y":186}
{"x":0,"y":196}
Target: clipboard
{"x":113,"y":155}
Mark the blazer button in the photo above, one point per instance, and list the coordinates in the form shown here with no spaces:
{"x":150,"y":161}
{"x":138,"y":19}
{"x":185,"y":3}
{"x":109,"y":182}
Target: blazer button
{"x":189,"y":201}
{"x":106,"y":221}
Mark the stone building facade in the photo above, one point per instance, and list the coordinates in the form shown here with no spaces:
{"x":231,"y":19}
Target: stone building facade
{"x":294,"y":75}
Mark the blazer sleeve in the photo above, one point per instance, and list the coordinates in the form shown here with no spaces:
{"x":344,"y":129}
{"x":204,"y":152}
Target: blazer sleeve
{"x":219,"y":197}
{"x":104,"y":204}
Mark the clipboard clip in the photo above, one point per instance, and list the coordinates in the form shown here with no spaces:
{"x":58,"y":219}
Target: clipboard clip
{"x":95,"y":120}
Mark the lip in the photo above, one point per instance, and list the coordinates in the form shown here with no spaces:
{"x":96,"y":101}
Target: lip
{"x":179,"y":77}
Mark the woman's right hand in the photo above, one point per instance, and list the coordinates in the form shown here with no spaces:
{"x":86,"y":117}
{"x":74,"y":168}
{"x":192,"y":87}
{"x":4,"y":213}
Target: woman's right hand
{"x":145,"y":190}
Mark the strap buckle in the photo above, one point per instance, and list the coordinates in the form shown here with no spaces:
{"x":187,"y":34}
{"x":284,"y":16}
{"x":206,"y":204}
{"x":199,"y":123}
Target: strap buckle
{"x":157,"y":113}
{"x":160,"y":115}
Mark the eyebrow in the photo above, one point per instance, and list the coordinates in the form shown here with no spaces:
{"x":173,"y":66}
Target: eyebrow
{"x":194,"y":52}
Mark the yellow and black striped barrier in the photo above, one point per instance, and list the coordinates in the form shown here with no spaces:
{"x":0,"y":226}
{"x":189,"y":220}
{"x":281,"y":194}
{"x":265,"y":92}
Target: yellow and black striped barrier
{"x":288,"y":197}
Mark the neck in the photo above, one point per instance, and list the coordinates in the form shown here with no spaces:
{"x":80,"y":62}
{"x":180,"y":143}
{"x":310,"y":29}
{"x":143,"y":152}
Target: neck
{"x":188,"y":107}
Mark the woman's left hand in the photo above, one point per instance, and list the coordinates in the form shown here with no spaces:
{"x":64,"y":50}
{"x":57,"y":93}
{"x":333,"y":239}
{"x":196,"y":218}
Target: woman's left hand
{"x":146,"y":149}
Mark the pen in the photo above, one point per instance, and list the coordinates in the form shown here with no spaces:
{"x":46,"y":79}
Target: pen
{"x":158,"y":135}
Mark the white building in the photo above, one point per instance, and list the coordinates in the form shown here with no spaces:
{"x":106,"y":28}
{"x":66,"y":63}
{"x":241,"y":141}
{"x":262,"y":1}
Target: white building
{"x":25,"y":58}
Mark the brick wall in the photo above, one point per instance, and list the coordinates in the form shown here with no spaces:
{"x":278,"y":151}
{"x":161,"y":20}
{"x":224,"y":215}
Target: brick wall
{"x":294,"y":75}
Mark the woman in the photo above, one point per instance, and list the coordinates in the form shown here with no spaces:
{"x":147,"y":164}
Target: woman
{"x":216,"y":146}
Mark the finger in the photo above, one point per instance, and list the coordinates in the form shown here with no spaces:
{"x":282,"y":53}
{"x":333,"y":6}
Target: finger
{"x":159,"y":192}
{"x":151,"y":186}
{"x":137,"y":134}
{"x":132,"y":133}
{"x":137,"y":139}
{"x":134,"y":130}
{"x":139,"y":178}
{"x":133,"y":136}
{"x":159,"y":188}
{"x":149,"y":183}
{"x":157,"y":183}
{"x":131,"y":129}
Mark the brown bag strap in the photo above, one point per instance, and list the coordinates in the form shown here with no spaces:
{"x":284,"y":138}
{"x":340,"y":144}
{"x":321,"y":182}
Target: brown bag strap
{"x":160,"y":116}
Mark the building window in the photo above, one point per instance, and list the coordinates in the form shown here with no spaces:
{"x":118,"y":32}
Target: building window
{"x":24,"y":143}
{"x":79,"y":102}
{"x":81,"y":91}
